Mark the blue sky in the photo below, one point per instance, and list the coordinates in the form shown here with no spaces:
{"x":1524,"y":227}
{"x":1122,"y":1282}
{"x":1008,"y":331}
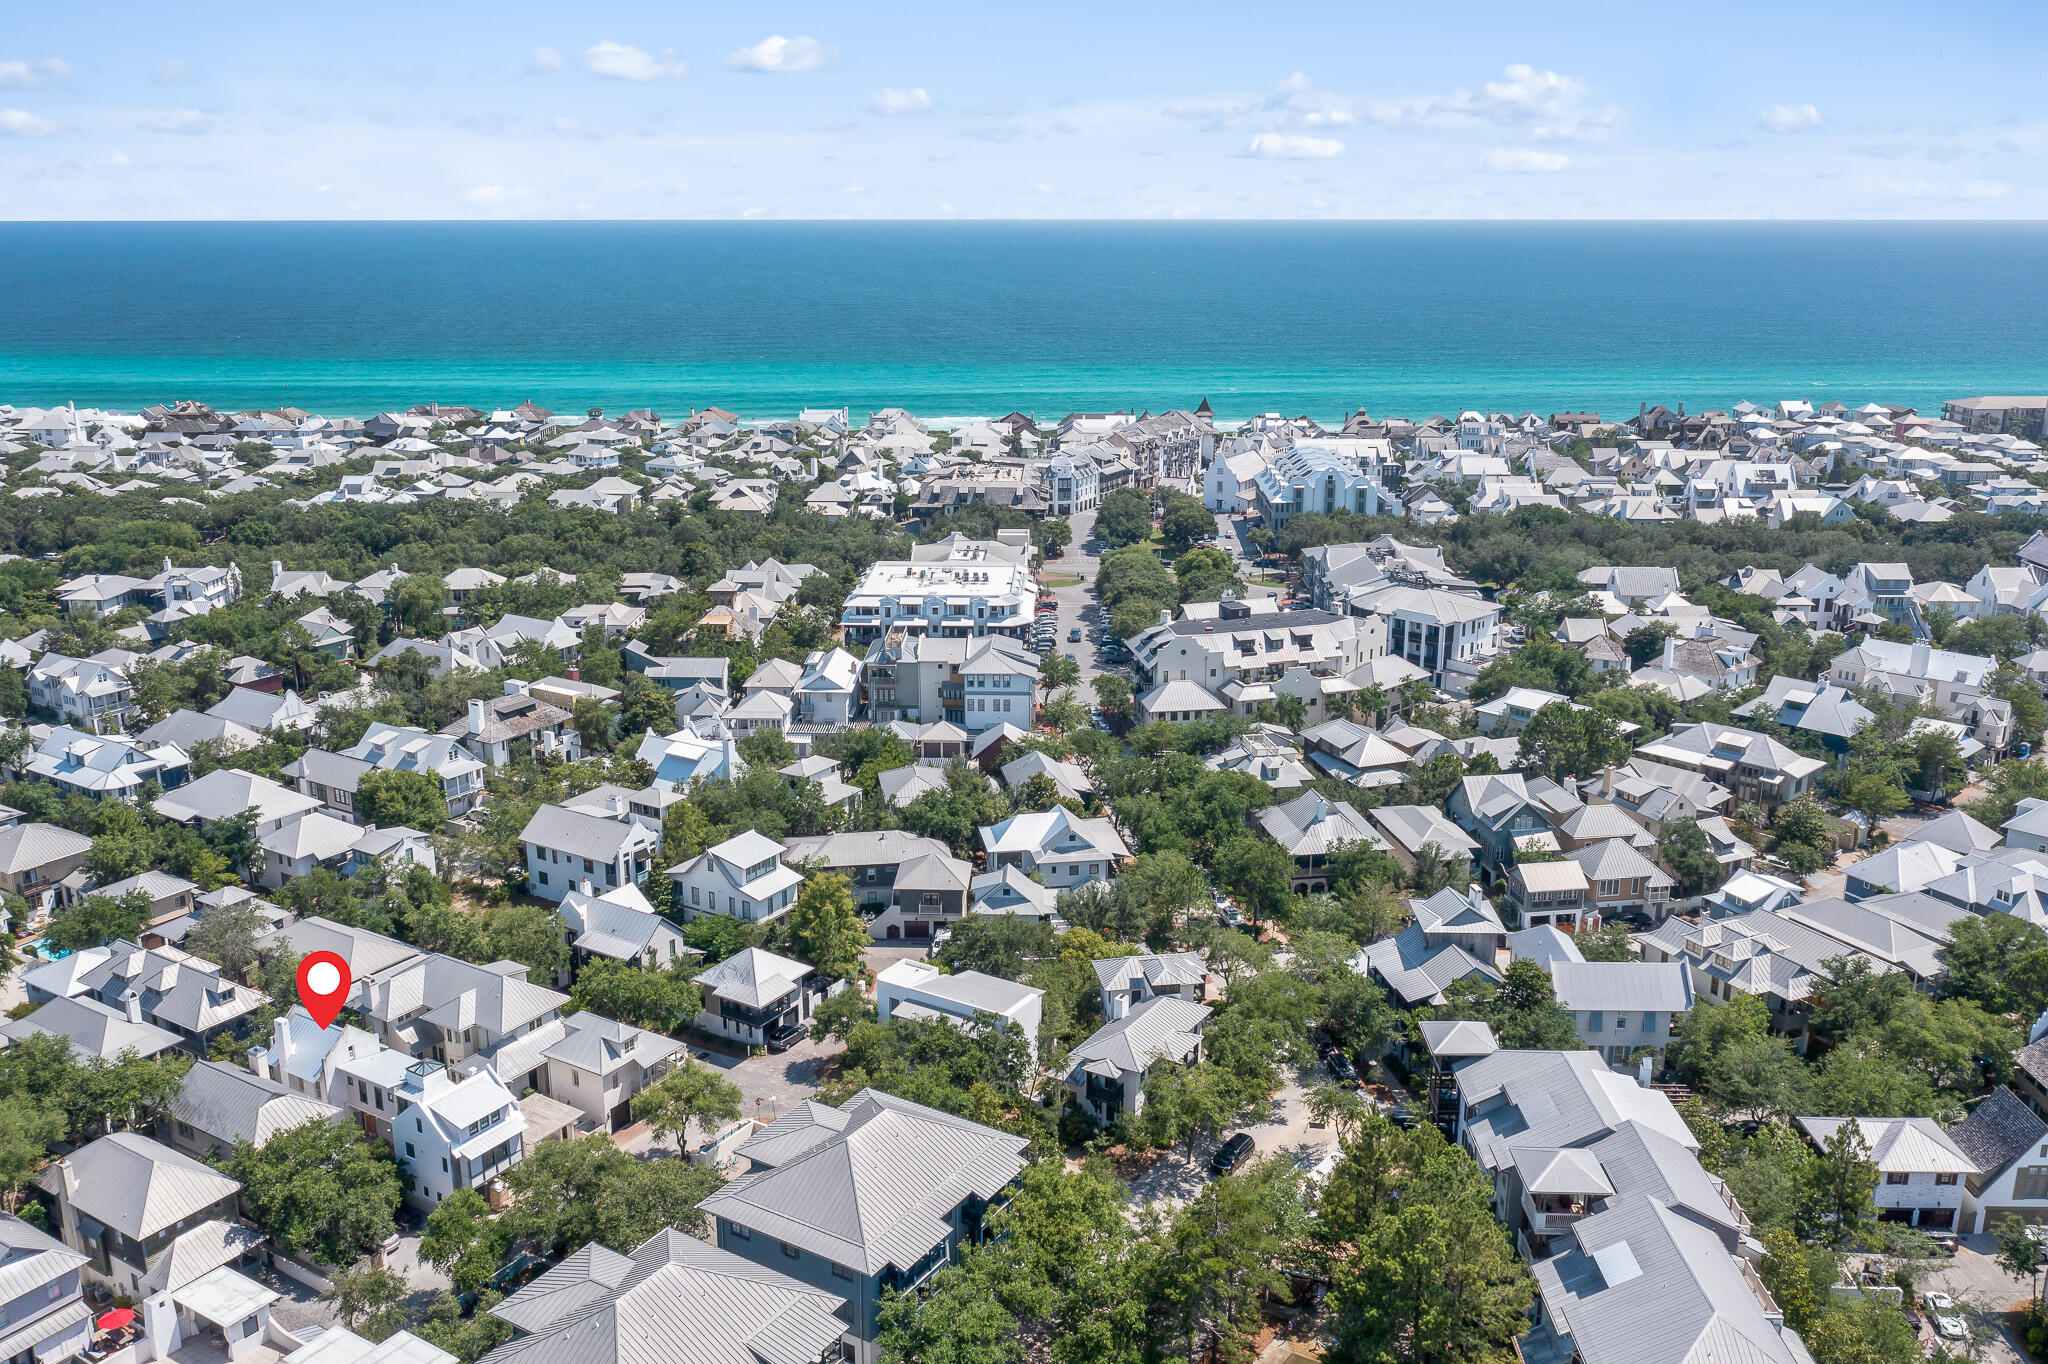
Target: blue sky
{"x":438,"y":109}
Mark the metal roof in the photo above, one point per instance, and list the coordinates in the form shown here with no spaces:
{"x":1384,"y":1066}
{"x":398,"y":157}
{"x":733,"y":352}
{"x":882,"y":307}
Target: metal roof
{"x":877,"y":1191}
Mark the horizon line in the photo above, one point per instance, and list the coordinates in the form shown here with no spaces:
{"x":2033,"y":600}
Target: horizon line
{"x":740,"y":220}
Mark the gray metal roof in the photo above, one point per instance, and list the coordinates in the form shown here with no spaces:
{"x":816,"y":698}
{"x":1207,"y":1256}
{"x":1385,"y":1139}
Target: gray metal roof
{"x":877,"y":1191}
{"x":753,"y":976}
{"x":92,"y":1028}
{"x":1643,"y":1284}
{"x":29,"y":1259}
{"x":236,"y":1105}
{"x":1161,"y":1028}
{"x":1630,"y":986}
{"x":138,"y":1186}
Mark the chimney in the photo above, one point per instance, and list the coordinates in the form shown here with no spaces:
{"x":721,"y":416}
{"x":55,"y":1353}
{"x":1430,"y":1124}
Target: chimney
{"x":1607,"y":780}
{"x":585,"y":887}
{"x":134,"y":1004}
{"x":276,"y":569}
{"x":70,"y":1178}
{"x":476,"y":716}
{"x":575,"y":673}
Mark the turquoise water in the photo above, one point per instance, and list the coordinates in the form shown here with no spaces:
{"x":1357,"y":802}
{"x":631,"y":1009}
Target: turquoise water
{"x":950,"y":319}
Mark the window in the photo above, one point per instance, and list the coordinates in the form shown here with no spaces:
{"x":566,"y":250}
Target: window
{"x":1944,"y":1179}
{"x":2031,"y":1182}
{"x":410,"y":1154}
{"x":1621,"y":1022}
{"x":738,"y":1233}
{"x":543,"y":878}
{"x":444,"y":1165}
{"x":791,"y":1251}
{"x":695,"y":893}
{"x":838,"y":1272}
{"x":1896,"y":1179}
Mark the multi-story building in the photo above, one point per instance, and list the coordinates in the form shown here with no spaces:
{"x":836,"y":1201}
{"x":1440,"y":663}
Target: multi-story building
{"x":904,"y":885}
{"x":1448,"y":635}
{"x":93,"y":694}
{"x":1213,"y":644}
{"x":1922,"y":1169}
{"x":1338,"y":474}
{"x":1753,"y":766}
{"x":976,"y":684}
{"x":970,"y":593}
{"x":500,"y":729}
{"x":742,"y":878}
{"x":875,"y":1197}
{"x":566,"y":847}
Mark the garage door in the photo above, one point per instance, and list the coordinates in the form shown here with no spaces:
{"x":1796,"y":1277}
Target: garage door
{"x":1994,"y":1215}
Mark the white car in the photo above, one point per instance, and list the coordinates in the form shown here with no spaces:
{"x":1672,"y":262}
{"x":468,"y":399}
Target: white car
{"x":1952,"y":1328}
{"x":1938,"y":1301}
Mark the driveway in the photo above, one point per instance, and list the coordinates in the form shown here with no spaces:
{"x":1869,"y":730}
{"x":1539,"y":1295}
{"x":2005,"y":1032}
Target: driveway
{"x":772,"y":1084}
{"x":1984,"y":1292}
{"x":1286,"y":1131}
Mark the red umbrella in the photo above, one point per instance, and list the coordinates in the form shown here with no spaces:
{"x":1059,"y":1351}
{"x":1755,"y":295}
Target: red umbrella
{"x":116,"y":1319}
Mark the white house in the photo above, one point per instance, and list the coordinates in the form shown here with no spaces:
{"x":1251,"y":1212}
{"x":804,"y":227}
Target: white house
{"x":743,"y":878}
{"x":1062,"y":848}
{"x":1921,"y":1169}
{"x":565,"y":847}
{"x":1106,"y":1074}
{"x":918,"y":989}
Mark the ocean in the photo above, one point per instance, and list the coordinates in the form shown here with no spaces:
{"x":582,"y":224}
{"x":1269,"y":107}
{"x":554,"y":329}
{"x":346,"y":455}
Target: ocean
{"x":953,"y":319}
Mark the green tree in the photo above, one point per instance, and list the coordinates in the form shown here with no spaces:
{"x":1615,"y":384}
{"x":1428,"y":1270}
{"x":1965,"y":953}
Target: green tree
{"x":321,"y":1188}
{"x":1058,"y":670}
{"x":690,"y":1092}
{"x":644,"y":707}
{"x":664,"y":1001}
{"x":27,"y":1132}
{"x":532,"y":935}
{"x":826,"y":930}
{"x":1563,"y":742}
{"x":1124,"y":517}
{"x":1113,"y":696}
{"x":96,"y":920}
{"x":465,"y":1240}
{"x":1521,"y":1009}
{"x":958,"y":1320}
{"x":1690,"y":859}
{"x":390,"y":797}
{"x":229,"y":935}
{"x":370,"y":1301}
{"x":1842,"y":1184}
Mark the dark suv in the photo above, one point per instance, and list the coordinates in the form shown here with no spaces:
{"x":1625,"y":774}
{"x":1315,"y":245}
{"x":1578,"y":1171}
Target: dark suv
{"x":1231,"y":1153}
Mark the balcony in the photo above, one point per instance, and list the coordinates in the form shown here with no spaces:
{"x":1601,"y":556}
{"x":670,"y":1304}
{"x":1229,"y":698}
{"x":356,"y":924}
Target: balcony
{"x":1550,"y":1214}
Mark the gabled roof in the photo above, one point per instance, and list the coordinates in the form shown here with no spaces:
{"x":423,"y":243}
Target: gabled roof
{"x":1159,"y":1028}
{"x":235,"y":1104}
{"x":876,"y":1189}
{"x":675,"y":1300}
{"x":137,"y":1186}
{"x":1900,"y":1145}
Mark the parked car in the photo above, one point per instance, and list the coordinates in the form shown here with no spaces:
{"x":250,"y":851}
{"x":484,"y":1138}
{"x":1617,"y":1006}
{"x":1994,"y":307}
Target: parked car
{"x":1231,"y":1153}
{"x":1074,"y":635}
{"x":1230,"y":917}
{"x":1952,"y":1327}
{"x":1341,"y":1070}
{"x":1403,"y":1116}
{"x":1938,"y":1301}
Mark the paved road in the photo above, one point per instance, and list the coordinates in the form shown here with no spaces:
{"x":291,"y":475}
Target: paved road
{"x":1077,"y":603}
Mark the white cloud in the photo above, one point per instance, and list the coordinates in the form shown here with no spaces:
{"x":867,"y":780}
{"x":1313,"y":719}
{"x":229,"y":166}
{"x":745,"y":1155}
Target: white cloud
{"x":1294,"y":103}
{"x":893,"y":102}
{"x":1298,"y":81}
{"x":622,"y":62}
{"x":776,"y":53}
{"x":27,"y":75}
{"x":185,"y":122}
{"x":173,"y":69}
{"x":1521,"y":160}
{"x":1789,"y":118}
{"x":1294,"y":147}
{"x":1552,"y":106}
{"x":543,"y":61}
{"x":22,"y":123}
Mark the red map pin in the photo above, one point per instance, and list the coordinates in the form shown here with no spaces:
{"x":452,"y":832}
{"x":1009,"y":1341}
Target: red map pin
{"x":323,"y":986}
